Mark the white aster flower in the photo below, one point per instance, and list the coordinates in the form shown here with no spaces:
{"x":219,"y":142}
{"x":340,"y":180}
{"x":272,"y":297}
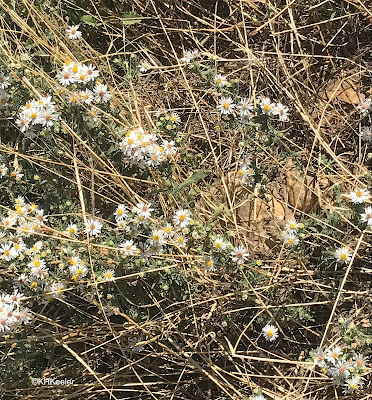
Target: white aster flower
{"x":343,"y":255}
{"x":266,"y":105}
{"x":364,"y":106}
{"x":78,"y":271}
{"x":47,"y":116}
{"x":144,"y":66}
{"x":240,"y":254}
{"x":367,"y":215}
{"x":290,"y":238}
{"x":220,"y":80}
{"x":291,"y":225}
{"x":38,"y":268}
{"x":86,"y":96}
{"x":169,"y":147}
{"x":158,"y":236}
{"x":219,"y":244}
{"x":143,"y":210}
{"x":90,"y":72}
{"x":4,"y":81}
{"x":66,"y":77}
{"x":73,"y":32}
{"x":182,"y":218}
{"x":259,"y":397}
{"x":245,"y":107}
{"x":366,"y":133}
{"x":23,"y":122}
{"x":208,"y":263}
{"x":180,"y":240}
{"x":102,"y":93}
{"x":270,"y":332}
{"x":333,"y":354}
{"x":281,"y":111}
{"x":121,"y":212}
{"x":319,"y":357}
{"x":129,"y":248}
{"x":189,"y":55}
{"x":175,"y":118}
{"x":352,"y":384}
{"x":109,"y":275}
{"x":8,"y":252}
{"x":3,"y":170}
{"x":341,"y":369}
{"x":71,"y":230}
{"x":359,"y":196}
{"x":226,"y":105}
{"x":93,"y":227}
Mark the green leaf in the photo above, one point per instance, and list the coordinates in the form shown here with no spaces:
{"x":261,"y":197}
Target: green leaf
{"x":195,"y":177}
{"x":89,"y":20}
{"x":130,"y":18}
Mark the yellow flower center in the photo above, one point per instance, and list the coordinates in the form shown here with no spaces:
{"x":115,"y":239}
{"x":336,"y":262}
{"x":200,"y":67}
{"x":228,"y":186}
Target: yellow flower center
{"x":267,"y":107}
{"x":343,"y":256}
{"x":226,"y":105}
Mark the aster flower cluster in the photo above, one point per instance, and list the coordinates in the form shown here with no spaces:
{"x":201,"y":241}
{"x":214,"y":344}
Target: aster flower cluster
{"x":37,"y":115}
{"x":143,"y":149}
{"x":159,"y":234}
{"x":12,"y":314}
{"x":83,"y":77}
{"x":292,"y":233}
{"x":361,"y":196}
{"x":189,"y":56}
{"x":25,"y":219}
{"x":345,"y":369}
{"x":246,"y":109}
{"x":358,"y":197}
{"x":246,"y":172}
{"x":14,"y":171}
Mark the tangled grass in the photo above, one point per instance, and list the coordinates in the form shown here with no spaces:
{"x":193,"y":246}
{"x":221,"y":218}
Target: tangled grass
{"x":175,"y":232}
